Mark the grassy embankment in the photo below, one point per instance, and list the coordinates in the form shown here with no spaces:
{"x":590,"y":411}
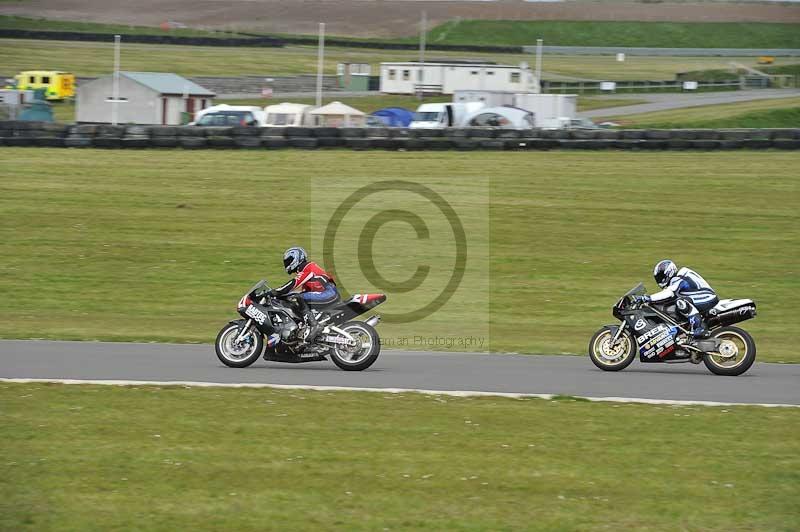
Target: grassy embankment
{"x":158,"y":245}
{"x":513,"y":33}
{"x":772,"y":113}
{"x":169,"y":458}
{"x":631,"y":33}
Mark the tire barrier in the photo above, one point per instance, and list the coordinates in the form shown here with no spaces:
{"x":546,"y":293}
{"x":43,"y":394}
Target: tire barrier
{"x":44,"y":134}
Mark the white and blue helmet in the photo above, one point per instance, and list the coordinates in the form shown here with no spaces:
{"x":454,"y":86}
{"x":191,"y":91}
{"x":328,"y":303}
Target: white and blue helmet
{"x":664,"y":272}
{"x":294,"y":258}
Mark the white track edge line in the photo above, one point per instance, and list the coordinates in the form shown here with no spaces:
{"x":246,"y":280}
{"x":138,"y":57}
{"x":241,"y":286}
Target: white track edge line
{"x":453,"y":393}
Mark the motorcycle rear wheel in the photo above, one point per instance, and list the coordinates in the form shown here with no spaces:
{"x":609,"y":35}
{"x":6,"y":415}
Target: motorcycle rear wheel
{"x":242,"y":354}
{"x":361,"y":356}
{"x":740,"y":348}
{"x":612,"y":359}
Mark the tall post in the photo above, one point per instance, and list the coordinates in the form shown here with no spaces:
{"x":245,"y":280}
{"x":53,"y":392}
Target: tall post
{"x":320,"y":60}
{"x":423,"y":28}
{"x":538,"y":65}
{"x":115,"y":82}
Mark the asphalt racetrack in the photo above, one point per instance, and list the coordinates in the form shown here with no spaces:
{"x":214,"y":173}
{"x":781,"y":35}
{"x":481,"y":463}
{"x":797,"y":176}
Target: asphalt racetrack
{"x":524,"y":374}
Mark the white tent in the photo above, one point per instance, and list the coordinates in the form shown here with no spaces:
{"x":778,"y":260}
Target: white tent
{"x":337,"y":114}
{"x":288,"y":114}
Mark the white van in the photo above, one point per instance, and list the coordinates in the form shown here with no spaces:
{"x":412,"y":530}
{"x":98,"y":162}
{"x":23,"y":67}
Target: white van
{"x":440,"y":115}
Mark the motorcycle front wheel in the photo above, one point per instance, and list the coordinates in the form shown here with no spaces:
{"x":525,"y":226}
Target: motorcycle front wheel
{"x":737,"y":352}
{"x":362,"y":355}
{"x":238,"y":354}
{"x":608,"y":357}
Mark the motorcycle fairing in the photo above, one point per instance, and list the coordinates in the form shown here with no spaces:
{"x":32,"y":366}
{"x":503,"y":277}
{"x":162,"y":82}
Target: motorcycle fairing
{"x":354,"y":306}
{"x":655,"y":339}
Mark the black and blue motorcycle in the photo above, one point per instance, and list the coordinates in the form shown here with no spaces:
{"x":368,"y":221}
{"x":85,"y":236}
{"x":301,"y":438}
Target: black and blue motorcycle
{"x":659,"y":335}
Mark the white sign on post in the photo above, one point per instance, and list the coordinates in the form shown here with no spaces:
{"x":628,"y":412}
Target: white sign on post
{"x":690,"y":85}
{"x":607,"y":85}
{"x":266,"y":92}
{"x":620,"y":57}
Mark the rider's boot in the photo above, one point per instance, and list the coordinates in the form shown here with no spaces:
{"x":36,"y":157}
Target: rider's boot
{"x":698,"y":327}
{"x":313,"y":325}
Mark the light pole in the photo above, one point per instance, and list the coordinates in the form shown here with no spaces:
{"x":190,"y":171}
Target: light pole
{"x":320,"y":60}
{"x":115,"y":82}
{"x":538,"y":65}
{"x":422,"y":29}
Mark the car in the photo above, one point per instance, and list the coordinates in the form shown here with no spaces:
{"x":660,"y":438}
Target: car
{"x":228,"y":118}
{"x":230,"y":115}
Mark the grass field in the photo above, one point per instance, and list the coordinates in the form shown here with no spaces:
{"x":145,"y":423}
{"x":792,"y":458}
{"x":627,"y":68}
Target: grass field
{"x":93,"y":59}
{"x":602,"y":33}
{"x":169,"y":458}
{"x":779,"y":112}
{"x":159,"y":245}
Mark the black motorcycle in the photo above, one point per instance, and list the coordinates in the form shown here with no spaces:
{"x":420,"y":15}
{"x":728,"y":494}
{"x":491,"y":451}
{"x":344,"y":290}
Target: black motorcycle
{"x":352,"y":345}
{"x":660,"y":335}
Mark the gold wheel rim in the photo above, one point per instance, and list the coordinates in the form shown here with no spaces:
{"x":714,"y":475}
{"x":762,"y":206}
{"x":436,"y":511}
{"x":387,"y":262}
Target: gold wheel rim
{"x":607,"y":356}
{"x":731,"y":342}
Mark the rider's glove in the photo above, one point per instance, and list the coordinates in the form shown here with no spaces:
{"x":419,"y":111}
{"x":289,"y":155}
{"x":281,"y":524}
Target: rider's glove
{"x":642,"y":299}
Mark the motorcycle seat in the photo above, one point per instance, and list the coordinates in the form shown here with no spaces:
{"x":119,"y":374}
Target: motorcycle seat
{"x":324,"y":304}
{"x":725,"y":305}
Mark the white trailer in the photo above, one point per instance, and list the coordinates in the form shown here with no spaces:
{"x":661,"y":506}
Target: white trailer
{"x":445,"y":78}
{"x":488,"y":98}
{"x":549,"y":110}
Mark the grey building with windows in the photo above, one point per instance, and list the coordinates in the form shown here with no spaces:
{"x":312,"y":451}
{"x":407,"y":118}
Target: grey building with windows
{"x":144,"y":98}
{"x":446,"y":78}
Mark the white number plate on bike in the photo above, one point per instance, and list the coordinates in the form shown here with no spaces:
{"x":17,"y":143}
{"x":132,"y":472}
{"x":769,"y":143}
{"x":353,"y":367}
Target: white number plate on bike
{"x":256,"y":314}
{"x":338,"y":340}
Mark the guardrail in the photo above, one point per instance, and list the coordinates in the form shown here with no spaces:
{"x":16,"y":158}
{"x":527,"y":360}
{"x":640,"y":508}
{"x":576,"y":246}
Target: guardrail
{"x":637,"y":85}
{"x":17,"y":133}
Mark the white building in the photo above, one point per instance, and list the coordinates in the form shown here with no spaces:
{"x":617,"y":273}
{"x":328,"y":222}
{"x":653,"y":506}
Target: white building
{"x":146,"y":98}
{"x":446,"y":78}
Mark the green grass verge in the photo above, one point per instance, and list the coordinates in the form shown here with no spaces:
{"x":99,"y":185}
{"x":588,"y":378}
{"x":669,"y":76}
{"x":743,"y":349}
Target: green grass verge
{"x":93,"y":59}
{"x":159,"y":245}
{"x":634,"y":33}
{"x":770,"y":113}
{"x":791,"y":69}
{"x":169,"y":458}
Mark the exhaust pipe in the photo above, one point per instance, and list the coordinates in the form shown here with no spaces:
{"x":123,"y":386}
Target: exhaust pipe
{"x":372,"y":321}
